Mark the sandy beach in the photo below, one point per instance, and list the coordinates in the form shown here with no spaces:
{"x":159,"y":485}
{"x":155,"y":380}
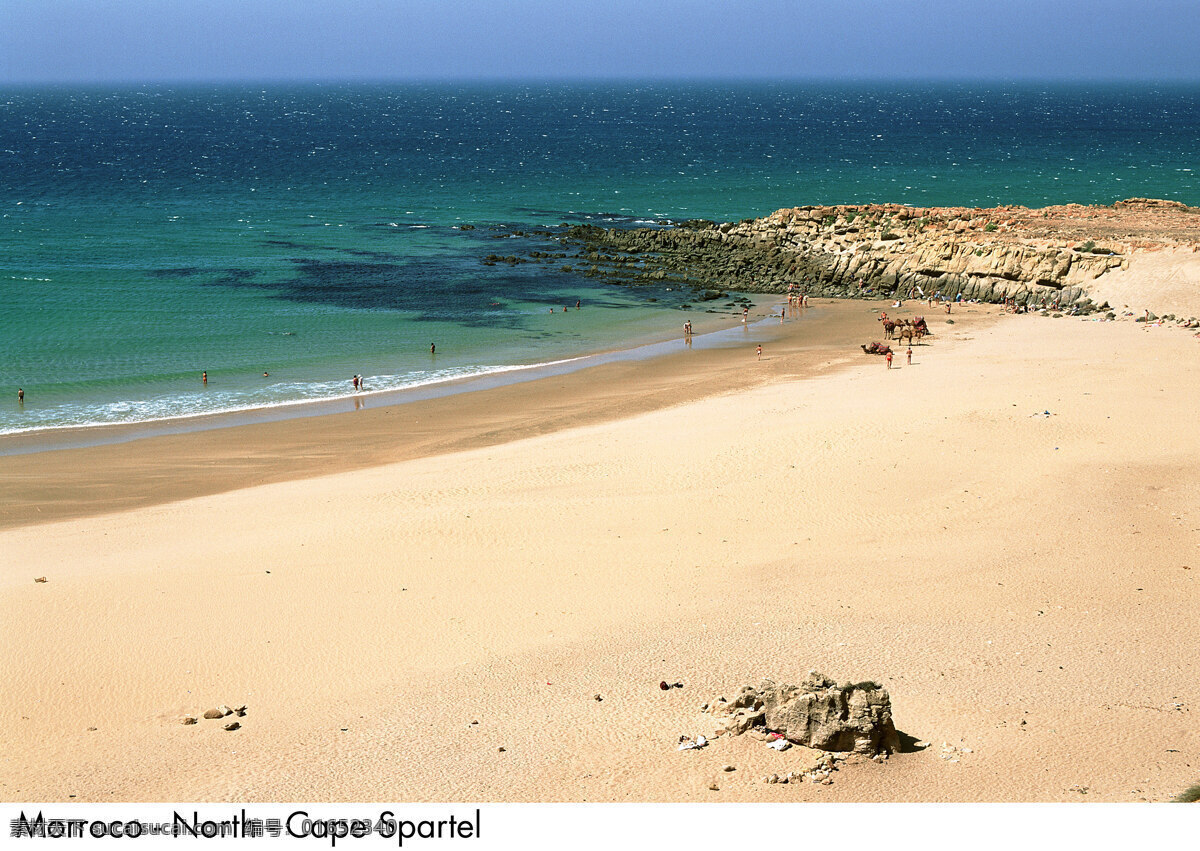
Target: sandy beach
{"x":476,"y":597}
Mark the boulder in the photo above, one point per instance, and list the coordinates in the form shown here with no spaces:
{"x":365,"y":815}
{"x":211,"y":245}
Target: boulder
{"x":818,"y":714}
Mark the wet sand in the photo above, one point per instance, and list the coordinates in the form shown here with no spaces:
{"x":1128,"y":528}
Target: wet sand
{"x":371,"y":584}
{"x":40,"y":487}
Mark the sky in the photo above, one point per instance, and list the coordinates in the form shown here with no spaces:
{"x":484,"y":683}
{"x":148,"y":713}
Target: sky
{"x":123,"y":41}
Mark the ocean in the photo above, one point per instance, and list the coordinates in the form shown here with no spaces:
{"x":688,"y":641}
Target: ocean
{"x":149,"y":234}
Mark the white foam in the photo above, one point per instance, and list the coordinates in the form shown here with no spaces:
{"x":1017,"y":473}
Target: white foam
{"x":292,"y":395}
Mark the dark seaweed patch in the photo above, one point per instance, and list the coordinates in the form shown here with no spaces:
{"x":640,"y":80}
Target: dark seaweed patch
{"x":353,"y":252}
{"x":175,"y":272}
{"x":234,"y":277}
{"x":439,"y":288}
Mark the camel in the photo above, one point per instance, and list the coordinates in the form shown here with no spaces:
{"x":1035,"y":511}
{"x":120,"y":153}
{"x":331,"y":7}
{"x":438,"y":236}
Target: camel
{"x":906,"y":333}
{"x":877,"y":349}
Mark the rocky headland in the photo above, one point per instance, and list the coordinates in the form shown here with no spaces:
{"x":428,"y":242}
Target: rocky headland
{"x":1053,"y":256}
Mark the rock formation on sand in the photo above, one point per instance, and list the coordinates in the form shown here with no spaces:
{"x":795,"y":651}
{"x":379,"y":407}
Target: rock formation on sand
{"x":1047,"y":256}
{"x":818,"y":714}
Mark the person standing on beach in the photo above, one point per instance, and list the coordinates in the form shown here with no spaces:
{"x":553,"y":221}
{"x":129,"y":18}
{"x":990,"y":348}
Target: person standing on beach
{"x":745,"y":313}
{"x":889,"y":358}
{"x":759,"y":351}
{"x":909,"y":355}
{"x":354,"y":381}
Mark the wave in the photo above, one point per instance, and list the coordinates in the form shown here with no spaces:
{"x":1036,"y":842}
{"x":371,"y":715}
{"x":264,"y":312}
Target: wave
{"x":281,"y":395}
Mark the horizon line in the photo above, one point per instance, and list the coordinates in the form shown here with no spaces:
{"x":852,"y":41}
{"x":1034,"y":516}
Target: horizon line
{"x":594,"y":80}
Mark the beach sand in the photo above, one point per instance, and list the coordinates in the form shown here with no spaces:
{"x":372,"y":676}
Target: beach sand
{"x":371,"y":585}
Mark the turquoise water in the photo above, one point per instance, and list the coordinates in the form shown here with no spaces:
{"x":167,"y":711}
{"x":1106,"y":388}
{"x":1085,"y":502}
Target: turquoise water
{"x":147,"y":234}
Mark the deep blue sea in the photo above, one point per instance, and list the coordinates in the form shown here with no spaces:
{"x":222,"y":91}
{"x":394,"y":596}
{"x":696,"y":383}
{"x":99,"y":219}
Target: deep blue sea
{"x":312,"y":232}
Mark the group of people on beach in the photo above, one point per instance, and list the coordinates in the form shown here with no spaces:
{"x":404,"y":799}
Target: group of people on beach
{"x":1011,"y":305}
{"x":796,"y":299}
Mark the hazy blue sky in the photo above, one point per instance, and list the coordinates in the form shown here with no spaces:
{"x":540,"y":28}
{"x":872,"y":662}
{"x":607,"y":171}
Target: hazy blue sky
{"x":175,"y":40}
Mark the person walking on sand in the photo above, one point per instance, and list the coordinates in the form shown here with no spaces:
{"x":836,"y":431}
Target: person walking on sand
{"x":908,"y":354}
{"x":759,"y":352}
{"x":889,"y":359}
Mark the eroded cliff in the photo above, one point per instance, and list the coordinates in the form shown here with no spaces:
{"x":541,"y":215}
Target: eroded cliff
{"x":1052,"y":255}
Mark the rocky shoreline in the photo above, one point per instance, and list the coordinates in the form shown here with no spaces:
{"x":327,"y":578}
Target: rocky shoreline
{"x":1038,"y":258}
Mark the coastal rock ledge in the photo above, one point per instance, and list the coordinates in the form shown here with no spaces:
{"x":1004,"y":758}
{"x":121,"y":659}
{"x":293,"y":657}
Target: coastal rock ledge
{"x":818,"y":714}
{"x":1051,"y":255}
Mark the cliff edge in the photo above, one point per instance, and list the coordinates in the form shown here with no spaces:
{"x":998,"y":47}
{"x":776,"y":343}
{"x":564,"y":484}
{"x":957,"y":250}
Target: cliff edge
{"x":1136,"y":255}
